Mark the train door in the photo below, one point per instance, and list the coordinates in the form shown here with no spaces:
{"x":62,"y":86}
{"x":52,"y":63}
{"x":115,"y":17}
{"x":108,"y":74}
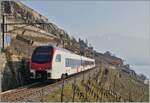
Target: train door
{"x":58,"y":66}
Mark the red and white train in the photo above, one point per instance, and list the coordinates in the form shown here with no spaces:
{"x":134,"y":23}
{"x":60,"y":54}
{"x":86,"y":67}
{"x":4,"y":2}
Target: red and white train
{"x":52,"y":62}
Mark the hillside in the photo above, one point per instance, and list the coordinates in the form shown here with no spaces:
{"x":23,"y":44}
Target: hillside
{"x":112,"y":86}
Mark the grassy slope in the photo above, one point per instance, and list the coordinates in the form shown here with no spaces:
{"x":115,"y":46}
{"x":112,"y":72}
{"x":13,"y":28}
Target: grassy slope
{"x":125,"y":86}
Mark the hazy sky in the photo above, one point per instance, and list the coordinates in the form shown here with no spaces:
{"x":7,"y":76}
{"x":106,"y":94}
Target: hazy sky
{"x":120,"y":27}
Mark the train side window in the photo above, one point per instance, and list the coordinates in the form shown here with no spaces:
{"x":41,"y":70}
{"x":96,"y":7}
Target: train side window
{"x":67,"y":62}
{"x":58,"y":58}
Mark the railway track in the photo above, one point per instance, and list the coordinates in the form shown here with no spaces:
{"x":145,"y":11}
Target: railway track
{"x":36,"y":90}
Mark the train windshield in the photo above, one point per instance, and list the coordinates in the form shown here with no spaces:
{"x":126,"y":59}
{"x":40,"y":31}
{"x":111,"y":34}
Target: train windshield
{"x":42,"y":54}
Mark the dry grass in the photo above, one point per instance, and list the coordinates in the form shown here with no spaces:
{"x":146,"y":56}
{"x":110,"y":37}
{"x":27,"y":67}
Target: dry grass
{"x":125,"y":86}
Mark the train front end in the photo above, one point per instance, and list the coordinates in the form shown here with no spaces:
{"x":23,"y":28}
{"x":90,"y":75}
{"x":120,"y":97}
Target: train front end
{"x":41,"y":62}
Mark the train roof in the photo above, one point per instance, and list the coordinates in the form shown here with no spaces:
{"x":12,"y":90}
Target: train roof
{"x":57,"y":48}
{"x":64,"y":50}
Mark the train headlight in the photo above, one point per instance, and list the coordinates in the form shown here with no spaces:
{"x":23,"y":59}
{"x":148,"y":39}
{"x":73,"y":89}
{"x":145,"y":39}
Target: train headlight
{"x":31,"y":74}
{"x":48,"y":75}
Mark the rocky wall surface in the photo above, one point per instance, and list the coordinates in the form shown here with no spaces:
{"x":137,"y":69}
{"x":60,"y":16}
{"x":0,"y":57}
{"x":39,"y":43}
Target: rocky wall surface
{"x":2,"y":62}
{"x":13,"y":71}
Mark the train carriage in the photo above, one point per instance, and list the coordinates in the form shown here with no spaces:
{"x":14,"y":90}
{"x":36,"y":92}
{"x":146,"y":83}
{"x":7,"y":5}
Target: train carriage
{"x":52,"y":63}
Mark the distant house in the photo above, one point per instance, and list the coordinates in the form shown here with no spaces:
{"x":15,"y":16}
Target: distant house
{"x":116,"y":62}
